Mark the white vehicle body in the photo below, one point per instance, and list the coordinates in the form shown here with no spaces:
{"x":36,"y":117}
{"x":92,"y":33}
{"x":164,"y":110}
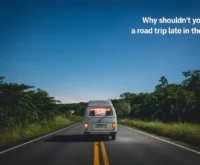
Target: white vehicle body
{"x":100,"y":118}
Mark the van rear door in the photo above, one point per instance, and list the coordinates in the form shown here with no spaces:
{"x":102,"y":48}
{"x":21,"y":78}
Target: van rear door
{"x":101,"y":118}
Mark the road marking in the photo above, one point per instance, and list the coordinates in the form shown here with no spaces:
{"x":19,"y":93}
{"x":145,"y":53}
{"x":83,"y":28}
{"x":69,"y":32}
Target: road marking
{"x":2,"y":152}
{"x":197,"y":152}
{"x":96,"y":153}
{"x":105,"y":157}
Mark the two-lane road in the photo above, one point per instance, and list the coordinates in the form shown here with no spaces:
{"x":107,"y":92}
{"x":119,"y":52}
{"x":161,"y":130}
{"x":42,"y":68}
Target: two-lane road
{"x":71,"y":147}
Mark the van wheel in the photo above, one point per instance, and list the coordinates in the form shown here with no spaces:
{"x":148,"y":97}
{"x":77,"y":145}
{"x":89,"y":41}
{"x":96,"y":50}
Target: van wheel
{"x":113,"y":137}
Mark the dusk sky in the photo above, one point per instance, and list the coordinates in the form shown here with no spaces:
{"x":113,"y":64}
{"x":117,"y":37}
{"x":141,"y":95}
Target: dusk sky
{"x":84,"y":50}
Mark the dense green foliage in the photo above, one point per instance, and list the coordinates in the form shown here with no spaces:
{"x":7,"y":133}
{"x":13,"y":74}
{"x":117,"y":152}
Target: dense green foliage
{"x":27,"y":113}
{"x":168,"y":103}
{"x":21,"y":106}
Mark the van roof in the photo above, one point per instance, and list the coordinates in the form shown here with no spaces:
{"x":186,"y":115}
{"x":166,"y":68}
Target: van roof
{"x":96,"y":103}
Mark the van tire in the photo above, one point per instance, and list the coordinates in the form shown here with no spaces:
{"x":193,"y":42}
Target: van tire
{"x":113,"y":137}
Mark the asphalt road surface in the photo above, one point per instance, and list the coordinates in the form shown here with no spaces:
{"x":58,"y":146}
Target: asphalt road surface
{"x":71,"y":147}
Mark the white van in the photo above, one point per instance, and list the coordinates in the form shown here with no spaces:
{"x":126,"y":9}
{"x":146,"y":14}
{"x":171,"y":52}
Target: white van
{"x":100,"y":118}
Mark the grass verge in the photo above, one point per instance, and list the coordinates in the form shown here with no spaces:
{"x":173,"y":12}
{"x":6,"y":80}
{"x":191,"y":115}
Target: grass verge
{"x":17,"y":134}
{"x":185,"y":132}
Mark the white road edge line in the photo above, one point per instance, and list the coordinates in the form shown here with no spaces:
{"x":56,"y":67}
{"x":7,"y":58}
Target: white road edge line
{"x":2,"y":152}
{"x":197,"y":152}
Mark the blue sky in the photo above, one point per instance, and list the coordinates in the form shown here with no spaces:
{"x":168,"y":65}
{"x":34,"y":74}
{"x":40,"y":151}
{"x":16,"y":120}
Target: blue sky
{"x":83,"y":50}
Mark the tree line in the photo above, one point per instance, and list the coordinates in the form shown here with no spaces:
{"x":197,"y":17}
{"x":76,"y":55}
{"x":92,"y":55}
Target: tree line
{"x":168,"y":102}
{"x":22,"y":104}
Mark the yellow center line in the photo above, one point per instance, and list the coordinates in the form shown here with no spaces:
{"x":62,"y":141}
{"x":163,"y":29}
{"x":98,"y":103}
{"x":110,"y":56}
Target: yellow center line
{"x":96,"y":153}
{"x":105,"y":157}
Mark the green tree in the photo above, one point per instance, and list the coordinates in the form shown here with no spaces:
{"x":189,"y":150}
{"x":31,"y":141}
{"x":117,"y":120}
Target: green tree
{"x":192,"y":79}
{"x":163,"y":83}
{"x":122,"y":108}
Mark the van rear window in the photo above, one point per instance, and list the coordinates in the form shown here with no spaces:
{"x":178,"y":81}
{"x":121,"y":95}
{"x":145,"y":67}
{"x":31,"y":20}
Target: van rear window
{"x":99,"y":111}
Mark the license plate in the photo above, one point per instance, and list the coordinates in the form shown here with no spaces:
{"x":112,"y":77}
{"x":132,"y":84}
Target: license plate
{"x":100,"y":126}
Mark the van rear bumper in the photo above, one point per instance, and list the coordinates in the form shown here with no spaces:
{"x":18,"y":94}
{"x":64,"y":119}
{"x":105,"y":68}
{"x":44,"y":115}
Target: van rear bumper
{"x":99,"y":133}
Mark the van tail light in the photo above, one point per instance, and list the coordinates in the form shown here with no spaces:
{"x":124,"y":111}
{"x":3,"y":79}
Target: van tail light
{"x":86,"y":125}
{"x":113,"y":125}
